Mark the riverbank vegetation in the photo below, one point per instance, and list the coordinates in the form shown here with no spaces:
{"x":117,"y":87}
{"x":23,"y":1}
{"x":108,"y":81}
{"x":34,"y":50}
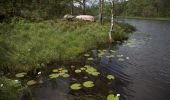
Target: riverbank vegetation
{"x":33,"y":35}
{"x":26,"y":45}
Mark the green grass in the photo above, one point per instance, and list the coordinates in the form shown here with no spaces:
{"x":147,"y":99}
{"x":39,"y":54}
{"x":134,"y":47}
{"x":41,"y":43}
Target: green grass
{"x":26,"y":45}
{"x":10,"y":89}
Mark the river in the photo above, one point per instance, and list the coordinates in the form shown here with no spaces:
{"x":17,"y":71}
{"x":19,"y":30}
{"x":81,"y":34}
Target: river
{"x":148,"y":70}
{"x":143,"y":74}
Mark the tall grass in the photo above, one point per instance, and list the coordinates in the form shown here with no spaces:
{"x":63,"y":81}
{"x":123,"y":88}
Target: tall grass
{"x":25,"y":45}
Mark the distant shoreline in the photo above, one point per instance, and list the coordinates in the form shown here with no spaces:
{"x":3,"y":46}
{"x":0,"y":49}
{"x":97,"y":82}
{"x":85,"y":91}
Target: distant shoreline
{"x":146,"y":18}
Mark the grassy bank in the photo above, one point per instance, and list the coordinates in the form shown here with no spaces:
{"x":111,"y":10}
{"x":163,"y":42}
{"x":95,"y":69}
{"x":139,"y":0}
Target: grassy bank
{"x":10,"y":89}
{"x":25,"y":45}
{"x":147,"y":18}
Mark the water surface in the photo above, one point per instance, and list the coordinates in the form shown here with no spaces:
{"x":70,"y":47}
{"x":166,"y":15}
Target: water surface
{"x":144,"y":73}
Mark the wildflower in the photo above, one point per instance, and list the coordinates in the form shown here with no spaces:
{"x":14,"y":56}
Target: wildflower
{"x":127,"y":57}
{"x":39,"y":73}
{"x":118,"y":95}
{"x":2,"y":85}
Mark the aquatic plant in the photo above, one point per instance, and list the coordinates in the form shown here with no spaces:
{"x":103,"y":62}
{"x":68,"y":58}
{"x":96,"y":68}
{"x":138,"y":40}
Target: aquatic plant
{"x":88,"y":84}
{"x":52,"y":76}
{"x":78,"y":71}
{"x":20,"y":75}
{"x":91,"y":71}
{"x":112,"y":97}
{"x":31,"y":82}
{"x":75,"y":86}
{"x":86,"y":55}
{"x":59,"y":72}
{"x":90,"y":59}
{"x":110,"y":77}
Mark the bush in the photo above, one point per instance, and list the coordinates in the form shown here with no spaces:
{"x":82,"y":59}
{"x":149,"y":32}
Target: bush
{"x":10,"y":89}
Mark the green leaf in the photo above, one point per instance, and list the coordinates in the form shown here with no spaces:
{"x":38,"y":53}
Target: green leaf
{"x":75,"y":86}
{"x":55,"y":70}
{"x":83,"y":68}
{"x":88,"y":84}
{"x":90,"y":59}
{"x":52,"y":76}
{"x":31,"y":82}
{"x":110,"y":77}
{"x":77,"y":71}
{"x":121,"y":59}
{"x":113,"y":51}
{"x":72,"y":66}
{"x":112,"y":97}
{"x":66,"y":75}
{"x":86,"y":55}
{"x":95,"y":73}
{"x":20,"y":75}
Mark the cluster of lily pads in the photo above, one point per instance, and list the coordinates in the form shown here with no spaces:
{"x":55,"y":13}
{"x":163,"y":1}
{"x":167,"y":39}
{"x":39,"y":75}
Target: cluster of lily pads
{"x":59,"y":72}
{"x":108,"y":54}
{"x":88,"y":69}
{"x":134,"y":42}
{"x":77,"y":86}
{"x":63,"y":72}
{"x":22,"y":74}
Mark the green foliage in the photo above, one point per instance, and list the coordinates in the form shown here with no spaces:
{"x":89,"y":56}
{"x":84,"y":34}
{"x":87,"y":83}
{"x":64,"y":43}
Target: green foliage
{"x":27,"y":45}
{"x":31,"y":82}
{"x":112,"y":97}
{"x":144,"y":8}
{"x":88,"y":84}
{"x":110,"y":77}
{"x":75,"y":86}
{"x":10,"y":89}
{"x":20,"y":75}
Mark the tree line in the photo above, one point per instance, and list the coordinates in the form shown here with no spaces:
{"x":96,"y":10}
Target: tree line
{"x":144,"y":8}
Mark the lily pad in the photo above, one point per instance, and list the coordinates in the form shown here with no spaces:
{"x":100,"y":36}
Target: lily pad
{"x":112,"y":51}
{"x":95,"y":73}
{"x":119,"y":56}
{"x":86,"y":55}
{"x":90,"y":59}
{"x":31,"y":82}
{"x":121,"y":59}
{"x":72,"y":66}
{"x":52,"y":76}
{"x":88,"y":84}
{"x":75,"y":86}
{"x":20,"y":75}
{"x":64,"y":71}
{"x":55,"y":70}
{"x":83,"y":68}
{"x":66,"y":75}
{"x":112,"y":97}
{"x":110,"y":77}
{"x":77,"y":71}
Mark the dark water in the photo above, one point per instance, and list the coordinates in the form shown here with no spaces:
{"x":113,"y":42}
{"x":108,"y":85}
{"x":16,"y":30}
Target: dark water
{"x":148,"y":71}
{"x":144,"y":75}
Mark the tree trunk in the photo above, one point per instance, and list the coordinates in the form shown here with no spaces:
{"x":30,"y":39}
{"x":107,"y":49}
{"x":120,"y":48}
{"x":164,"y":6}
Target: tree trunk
{"x":112,"y":21}
{"x":84,"y":7}
{"x":101,"y":11}
{"x":72,"y":7}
